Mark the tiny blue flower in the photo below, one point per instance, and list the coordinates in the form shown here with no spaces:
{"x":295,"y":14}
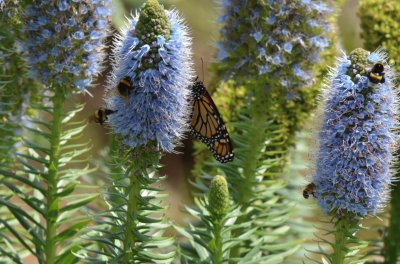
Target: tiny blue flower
{"x":288,"y":47}
{"x":156,"y":59}
{"x":257,"y":36}
{"x":60,"y":46}
{"x":357,"y":138}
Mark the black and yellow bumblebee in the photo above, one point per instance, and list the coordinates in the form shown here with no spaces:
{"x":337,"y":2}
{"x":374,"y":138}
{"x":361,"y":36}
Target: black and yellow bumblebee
{"x":376,"y":74}
{"x":125,"y":87}
{"x":101,"y":115}
{"x":310,"y":189}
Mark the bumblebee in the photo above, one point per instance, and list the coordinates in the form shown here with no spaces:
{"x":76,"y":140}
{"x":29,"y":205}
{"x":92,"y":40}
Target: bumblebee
{"x":376,"y":74}
{"x":125,"y":87}
{"x":310,"y":189}
{"x":100,"y":116}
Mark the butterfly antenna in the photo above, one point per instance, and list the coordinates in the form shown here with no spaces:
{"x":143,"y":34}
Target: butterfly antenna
{"x":202,"y":67}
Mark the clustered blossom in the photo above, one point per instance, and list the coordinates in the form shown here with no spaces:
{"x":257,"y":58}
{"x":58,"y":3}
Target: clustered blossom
{"x":279,"y":38}
{"x":154,"y":54}
{"x":63,"y":40}
{"x":356,"y":140}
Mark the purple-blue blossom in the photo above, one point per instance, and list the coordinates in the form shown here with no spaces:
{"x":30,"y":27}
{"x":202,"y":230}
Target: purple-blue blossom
{"x":63,"y":40}
{"x":357,"y":139}
{"x":157,"y":61}
{"x":274,"y":35}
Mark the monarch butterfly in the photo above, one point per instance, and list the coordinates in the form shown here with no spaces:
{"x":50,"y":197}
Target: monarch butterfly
{"x":207,"y":125}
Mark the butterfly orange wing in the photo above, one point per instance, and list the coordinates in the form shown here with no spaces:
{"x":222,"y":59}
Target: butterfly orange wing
{"x":207,"y":125}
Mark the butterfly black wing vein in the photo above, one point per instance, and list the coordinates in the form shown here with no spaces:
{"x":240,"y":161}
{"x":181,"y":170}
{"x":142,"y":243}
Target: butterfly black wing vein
{"x":208,"y":126}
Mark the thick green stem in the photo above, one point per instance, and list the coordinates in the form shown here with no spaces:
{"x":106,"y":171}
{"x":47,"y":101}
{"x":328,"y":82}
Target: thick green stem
{"x":218,"y":253}
{"x":391,"y":250}
{"x":255,"y":141}
{"x":54,"y":156}
{"x":340,"y":245}
{"x":131,"y":221}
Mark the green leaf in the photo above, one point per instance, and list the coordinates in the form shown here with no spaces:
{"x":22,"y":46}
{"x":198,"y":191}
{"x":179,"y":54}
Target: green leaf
{"x":79,"y":203}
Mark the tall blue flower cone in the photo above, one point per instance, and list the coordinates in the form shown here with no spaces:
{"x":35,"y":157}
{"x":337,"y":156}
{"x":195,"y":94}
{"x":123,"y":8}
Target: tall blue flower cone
{"x":153,"y":55}
{"x":357,"y":138}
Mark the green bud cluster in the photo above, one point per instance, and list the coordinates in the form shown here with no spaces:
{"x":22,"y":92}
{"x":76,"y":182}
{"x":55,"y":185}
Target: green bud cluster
{"x":218,"y":197}
{"x":359,"y":62}
{"x":153,"y":22}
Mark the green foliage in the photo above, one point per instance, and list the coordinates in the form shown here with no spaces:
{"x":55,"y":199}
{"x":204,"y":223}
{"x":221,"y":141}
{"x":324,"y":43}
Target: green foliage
{"x":132,"y":229}
{"x":346,"y":248}
{"x":209,"y":240}
{"x":260,"y":153}
{"x":16,"y":89}
{"x":46,"y":204}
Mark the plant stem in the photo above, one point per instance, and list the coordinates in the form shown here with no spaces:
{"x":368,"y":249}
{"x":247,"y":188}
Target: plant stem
{"x":134,"y":192}
{"x":52,"y":200}
{"x":340,"y":247}
{"x":217,"y":256}
{"x":255,"y":140}
{"x":391,"y":249}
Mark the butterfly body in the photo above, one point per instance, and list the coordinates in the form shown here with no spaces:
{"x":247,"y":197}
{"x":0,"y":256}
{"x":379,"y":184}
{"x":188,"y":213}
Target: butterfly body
{"x":207,"y":125}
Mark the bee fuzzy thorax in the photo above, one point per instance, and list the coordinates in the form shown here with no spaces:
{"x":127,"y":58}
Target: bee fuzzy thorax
{"x":124,"y":87}
{"x":101,"y":115}
{"x":310,"y":189}
{"x":376,"y":74}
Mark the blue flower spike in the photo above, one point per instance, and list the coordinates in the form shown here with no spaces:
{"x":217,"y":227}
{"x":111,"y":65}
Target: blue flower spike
{"x":279,"y":38}
{"x":357,"y":139}
{"x":149,"y":86}
{"x":64,"y":41}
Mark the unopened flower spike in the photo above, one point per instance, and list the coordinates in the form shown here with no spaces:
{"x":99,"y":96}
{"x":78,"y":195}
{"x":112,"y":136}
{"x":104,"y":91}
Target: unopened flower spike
{"x":218,"y":197}
{"x":357,"y":141}
{"x":63,"y":41}
{"x":149,"y":86}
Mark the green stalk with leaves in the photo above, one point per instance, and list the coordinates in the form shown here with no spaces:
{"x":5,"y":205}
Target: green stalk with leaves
{"x":272,"y":87}
{"x":210,"y":238}
{"x":146,"y":105}
{"x":43,"y":200}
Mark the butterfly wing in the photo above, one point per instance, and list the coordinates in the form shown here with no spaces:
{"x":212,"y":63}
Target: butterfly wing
{"x":207,"y":125}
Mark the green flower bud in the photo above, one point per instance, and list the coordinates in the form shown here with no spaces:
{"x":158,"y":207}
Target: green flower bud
{"x":153,"y":22}
{"x":359,"y":62}
{"x":218,"y":197}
